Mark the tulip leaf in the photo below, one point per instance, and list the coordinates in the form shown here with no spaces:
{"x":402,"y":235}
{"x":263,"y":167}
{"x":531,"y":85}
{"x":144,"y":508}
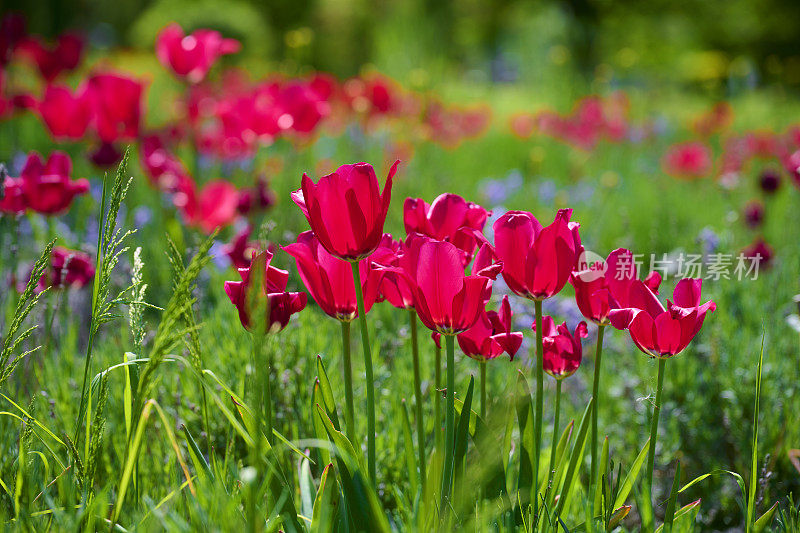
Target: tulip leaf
{"x":765,"y":519}
{"x":633,"y":474}
{"x":319,"y":427}
{"x":360,"y":497}
{"x":327,"y":394}
{"x":462,"y":431}
{"x":561,"y":464}
{"x":602,"y":468}
{"x":669,"y":516}
{"x":307,"y":489}
{"x":326,"y":504}
{"x":526,"y":442}
{"x":684,"y":516}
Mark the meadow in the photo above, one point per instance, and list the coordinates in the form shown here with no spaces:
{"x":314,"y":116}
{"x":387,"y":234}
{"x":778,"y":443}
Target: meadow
{"x":134,"y":397}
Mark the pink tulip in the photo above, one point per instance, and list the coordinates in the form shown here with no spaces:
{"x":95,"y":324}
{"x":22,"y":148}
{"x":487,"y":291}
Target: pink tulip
{"x":192,"y":56}
{"x":448,"y":218}
{"x":214,"y":206}
{"x":68,"y":268}
{"x":117,"y":106}
{"x":346,"y":210}
{"x":660,"y":332}
{"x":330,"y":279}
{"x":47,"y":187}
{"x":12,"y":201}
{"x":537,"y":261}
{"x":63,"y":56}
{"x":66,"y":114}
{"x":491,"y":335}
{"x":271,"y":295}
{"x":562,"y":350}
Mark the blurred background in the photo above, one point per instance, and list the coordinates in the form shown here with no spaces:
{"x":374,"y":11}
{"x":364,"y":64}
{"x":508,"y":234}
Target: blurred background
{"x":708,"y":46}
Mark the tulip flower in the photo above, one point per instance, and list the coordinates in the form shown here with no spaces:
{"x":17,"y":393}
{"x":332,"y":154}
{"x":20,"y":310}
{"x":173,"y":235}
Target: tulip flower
{"x":12,"y":201}
{"x":346,"y":210}
{"x":562,"y":357}
{"x":269,"y":294}
{"x":760,"y":252}
{"x":769,"y":181}
{"x":690,"y":160}
{"x":191,"y":56}
{"x":329,"y":279}
{"x":66,"y":114}
{"x":256,"y":199}
{"x":68,"y":268}
{"x":537,"y":262}
{"x":47,"y":187}
{"x":754,"y":214}
{"x":62,"y":57}
{"x":214,"y":206}
{"x":117,"y":106}
{"x":448,"y":218}
{"x":240,"y":250}
{"x":661,"y":333}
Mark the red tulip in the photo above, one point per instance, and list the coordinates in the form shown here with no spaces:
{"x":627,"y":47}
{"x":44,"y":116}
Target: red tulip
{"x":537,"y":261}
{"x":491,"y":335}
{"x":448,"y":218}
{"x":395,"y":289}
{"x":63,"y":56}
{"x":562,"y":349}
{"x":47,"y":186}
{"x":256,"y":199}
{"x":162,"y":168}
{"x":658,"y":332}
{"x":68,"y":268}
{"x":689,"y":160}
{"x":599,"y":286}
{"x":446,"y":300}
{"x":192,"y":56}
{"x":66,"y":114}
{"x":12,"y":201}
{"x":117,"y":106}
{"x":760,"y":252}
{"x":270,"y":294}
{"x":215,"y":206}
{"x":754,"y":214}
{"x":240,"y":250}
{"x":346,"y":210}
{"x":330,"y":279}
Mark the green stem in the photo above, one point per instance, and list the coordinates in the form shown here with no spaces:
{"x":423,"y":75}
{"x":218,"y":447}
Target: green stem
{"x":654,"y":428}
{"x":450,"y":416}
{"x":437,"y":406}
{"x":595,"y":394}
{"x":555,"y":433}
{"x":483,"y":389}
{"x":412,"y":315}
{"x":537,"y":420}
{"x":362,"y":318}
{"x":347,"y":368}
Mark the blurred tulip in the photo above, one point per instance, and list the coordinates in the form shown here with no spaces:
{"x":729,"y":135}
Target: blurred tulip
{"x":760,"y":252}
{"x":12,"y":201}
{"x":68,"y":268}
{"x":769,"y":181}
{"x":47,"y":187}
{"x":66,"y":114}
{"x":268,"y":293}
{"x":754,"y":214}
{"x":346,"y":210}
{"x":214,"y":206}
{"x":192,"y":56}
{"x":63,"y":56}
{"x":689,"y":160}
{"x":117,"y":106}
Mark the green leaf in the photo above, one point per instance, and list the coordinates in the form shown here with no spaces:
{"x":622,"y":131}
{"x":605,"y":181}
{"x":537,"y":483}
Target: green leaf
{"x":462,"y":432}
{"x":766,"y":519}
{"x":633,"y":474}
{"x":685,"y":516}
{"x":526,"y":441}
{"x":199,"y":461}
{"x":327,"y":394}
{"x":326,"y":504}
{"x":751,"y":499}
{"x":669,"y":517}
{"x":361,"y":500}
